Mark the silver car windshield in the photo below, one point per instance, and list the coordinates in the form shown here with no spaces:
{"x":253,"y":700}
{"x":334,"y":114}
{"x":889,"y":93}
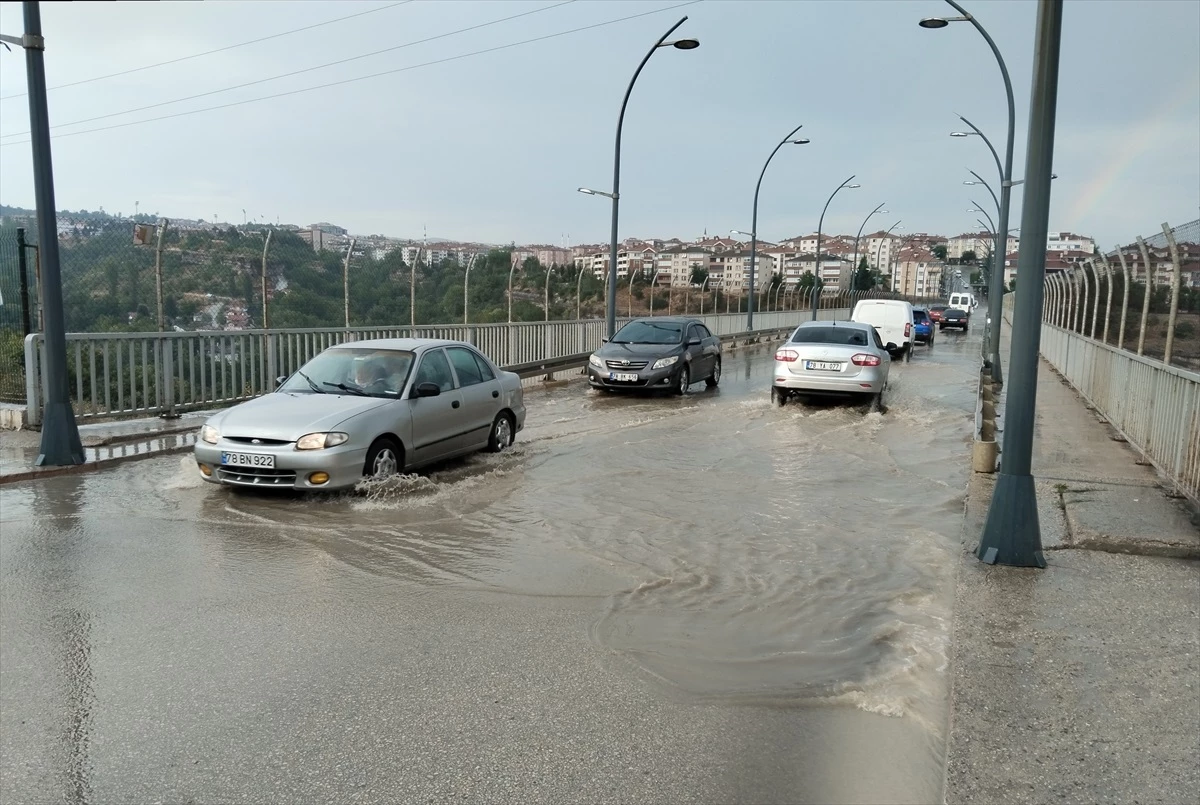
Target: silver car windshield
{"x":844,"y":336}
{"x":646,"y":332}
{"x":352,"y":370}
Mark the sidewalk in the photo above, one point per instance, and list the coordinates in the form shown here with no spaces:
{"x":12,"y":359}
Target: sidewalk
{"x":104,"y":444}
{"x":1079,"y":682}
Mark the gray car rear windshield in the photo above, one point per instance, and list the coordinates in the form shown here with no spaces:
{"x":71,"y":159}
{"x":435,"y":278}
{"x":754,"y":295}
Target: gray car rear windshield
{"x":645,"y":332}
{"x":844,"y":336}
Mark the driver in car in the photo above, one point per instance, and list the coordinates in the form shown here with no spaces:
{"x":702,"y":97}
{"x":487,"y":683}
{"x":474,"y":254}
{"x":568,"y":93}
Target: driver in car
{"x":371,"y":375}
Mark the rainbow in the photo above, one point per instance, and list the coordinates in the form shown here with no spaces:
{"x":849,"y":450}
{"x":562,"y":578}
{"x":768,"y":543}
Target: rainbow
{"x":1103,"y":184}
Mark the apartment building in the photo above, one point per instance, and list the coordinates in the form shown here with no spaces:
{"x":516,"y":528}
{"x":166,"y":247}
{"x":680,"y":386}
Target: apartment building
{"x":918,"y":272}
{"x":678,"y":262}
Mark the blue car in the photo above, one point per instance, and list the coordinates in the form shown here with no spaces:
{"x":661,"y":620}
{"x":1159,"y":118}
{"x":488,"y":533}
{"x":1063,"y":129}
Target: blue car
{"x":922,"y":327}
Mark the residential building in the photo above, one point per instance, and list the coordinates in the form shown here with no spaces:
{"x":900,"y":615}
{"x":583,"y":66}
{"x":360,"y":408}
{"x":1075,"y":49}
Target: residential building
{"x":918,"y":272}
{"x":680,"y":261}
{"x":1068,"y":242}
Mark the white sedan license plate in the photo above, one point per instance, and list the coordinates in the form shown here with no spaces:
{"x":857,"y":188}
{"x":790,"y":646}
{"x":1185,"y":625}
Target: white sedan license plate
{"x":823,"y":366}
{"x":623,"y":377}
{"x":248,"y":460}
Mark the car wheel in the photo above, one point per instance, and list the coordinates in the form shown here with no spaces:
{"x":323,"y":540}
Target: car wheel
{"x":683,"y":379}
{"x":715,"y":377}
{"x":501,"y":437}
{"x":778,"y":396}
{"x":941,"y":328}
{"x":384,"y":458}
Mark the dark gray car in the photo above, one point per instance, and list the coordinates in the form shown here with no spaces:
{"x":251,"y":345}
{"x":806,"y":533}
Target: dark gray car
{"x":661,"y":352}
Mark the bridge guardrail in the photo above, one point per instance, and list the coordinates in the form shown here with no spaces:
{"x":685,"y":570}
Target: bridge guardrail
{"x":146,"y":374}
{"x":1156,"y":407}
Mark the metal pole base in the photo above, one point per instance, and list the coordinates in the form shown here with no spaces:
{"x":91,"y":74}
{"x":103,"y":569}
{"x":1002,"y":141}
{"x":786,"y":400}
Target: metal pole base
{"x":60,"y":446}
{"x":1012,"y":534}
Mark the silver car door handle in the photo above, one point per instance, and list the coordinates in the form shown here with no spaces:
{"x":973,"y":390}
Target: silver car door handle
{"x":495,"y":394}
{"x":454,"y":404}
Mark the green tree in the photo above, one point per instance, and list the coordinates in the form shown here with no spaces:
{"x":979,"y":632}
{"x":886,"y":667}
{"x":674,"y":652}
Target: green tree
{"x":862,"y":279}
{"x":968,"y":257}
{"x":698,"y":276}
{"x":939,"y":251}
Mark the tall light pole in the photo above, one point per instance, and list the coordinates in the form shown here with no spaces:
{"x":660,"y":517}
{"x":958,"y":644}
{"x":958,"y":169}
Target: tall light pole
{"x":60,"y":444}
{"x":1012,"y":534}
{"x":996,"y":292}
{"x":859,"y":235}
{"x":615,"y":195}
{"x":879,"y":248}
{"x":817,"y":264}
{"x":754,"y":219}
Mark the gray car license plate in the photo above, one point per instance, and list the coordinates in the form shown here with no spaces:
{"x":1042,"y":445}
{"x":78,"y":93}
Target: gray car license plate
{"x":248,"y":460}
{"x":623,"y":377}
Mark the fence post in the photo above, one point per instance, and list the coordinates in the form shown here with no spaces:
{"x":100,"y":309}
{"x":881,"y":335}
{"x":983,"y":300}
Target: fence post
{"x":158,"y":291}
{"x":263,"y":281}
{"x":1108,"y":280}
{"x":1083,"y":279}
{"x":1146,"y":298}
{"x":1125,"y":295}
{"x":1096,"y":301}
{"x":1176,"y":283}
{"x":26,"y":323}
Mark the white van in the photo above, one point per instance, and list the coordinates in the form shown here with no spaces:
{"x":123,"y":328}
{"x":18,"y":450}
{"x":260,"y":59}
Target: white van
{"x":892,"y":319}
{"x":963,"y":301}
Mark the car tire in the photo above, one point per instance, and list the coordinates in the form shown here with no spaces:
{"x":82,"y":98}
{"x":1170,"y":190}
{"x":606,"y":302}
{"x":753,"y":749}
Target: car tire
{"x":715,"y":377}
{"x":778,"y":396}
{"x":683,"y":380}
{"x":503,"y":433}
{"x":384,"y":458}
{"x":941,"y":328}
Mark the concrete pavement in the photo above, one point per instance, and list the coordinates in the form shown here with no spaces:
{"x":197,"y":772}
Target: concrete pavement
{"x":1079,"y":682}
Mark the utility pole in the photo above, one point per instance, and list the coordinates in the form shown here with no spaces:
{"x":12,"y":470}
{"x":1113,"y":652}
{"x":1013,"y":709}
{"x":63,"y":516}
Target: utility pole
{"x":1012,"y":534}
{"x":60,"y":445}
{"x":158,"y":292}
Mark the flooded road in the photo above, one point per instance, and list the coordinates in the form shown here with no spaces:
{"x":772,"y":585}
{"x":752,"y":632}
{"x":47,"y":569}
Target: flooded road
{"x":703,"y":598}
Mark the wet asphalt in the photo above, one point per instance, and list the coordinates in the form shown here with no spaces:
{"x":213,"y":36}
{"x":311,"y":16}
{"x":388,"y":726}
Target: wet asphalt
{"x":659,"y":599}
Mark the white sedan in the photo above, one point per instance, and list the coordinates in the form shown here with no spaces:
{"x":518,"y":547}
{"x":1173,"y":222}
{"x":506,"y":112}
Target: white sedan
{"x":831,"y":358}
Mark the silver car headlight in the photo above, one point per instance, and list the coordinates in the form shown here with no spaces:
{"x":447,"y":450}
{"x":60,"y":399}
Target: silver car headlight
{"x":595,"y":361}
{"x":319,"y":441}
{"x":209,"y":434}
{"x":663,"y":363}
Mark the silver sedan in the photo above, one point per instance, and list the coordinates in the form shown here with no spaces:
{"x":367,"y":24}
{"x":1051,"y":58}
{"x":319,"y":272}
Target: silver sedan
{"x":837,"y":358}
{"x":365,"y":408}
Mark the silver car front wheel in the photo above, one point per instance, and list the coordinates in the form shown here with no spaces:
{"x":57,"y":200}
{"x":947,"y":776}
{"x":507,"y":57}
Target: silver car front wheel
{"x":383,"y":459}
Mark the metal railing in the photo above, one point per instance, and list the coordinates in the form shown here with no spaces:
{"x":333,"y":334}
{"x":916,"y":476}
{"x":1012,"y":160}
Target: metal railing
{"x":1156,"y":407}
{"x":146,"y":374}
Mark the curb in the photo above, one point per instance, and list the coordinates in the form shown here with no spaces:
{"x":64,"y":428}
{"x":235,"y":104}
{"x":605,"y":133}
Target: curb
{"x":89,"y":466}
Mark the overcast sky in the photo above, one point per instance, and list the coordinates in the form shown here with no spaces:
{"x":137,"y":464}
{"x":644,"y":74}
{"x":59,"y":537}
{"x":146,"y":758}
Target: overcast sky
{"x":492,"y":146}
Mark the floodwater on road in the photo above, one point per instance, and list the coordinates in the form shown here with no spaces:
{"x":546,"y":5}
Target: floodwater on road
{"x":665,"y":580}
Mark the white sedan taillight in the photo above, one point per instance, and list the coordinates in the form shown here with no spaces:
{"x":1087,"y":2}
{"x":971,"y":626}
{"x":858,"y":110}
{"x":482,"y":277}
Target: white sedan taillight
{"x":863,"y":359}
{"x":907,"y":330}
{"x":786,"y":355}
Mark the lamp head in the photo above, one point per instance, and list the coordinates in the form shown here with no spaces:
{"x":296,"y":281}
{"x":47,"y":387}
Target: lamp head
{"x":682,"y":44}
{"x":852,"y":186}
{"x":587,"y":191}
{"x":803,"y":141}
{"x":933,"y":23}
{"x":960,"y":134}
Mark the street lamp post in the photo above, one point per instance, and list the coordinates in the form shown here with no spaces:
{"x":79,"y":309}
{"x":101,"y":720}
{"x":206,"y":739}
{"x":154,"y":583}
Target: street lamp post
{"x":817,"y":264}
{"x":615,"y":195}
{"x":996,"y":291}
{"x":854,"y":267}
{"x":879,"y":248}
{"x":754,"y":219}
{"x":60,"y":443}
{"x":1012,"y":534}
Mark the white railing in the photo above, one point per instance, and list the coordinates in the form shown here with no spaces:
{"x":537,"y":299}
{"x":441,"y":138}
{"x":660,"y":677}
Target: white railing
{"x":144,"y":374}
{"x":1154,"y":406}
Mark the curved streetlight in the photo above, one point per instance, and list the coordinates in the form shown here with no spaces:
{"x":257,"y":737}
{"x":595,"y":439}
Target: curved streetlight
{"x":854,"y":267}
{"x":466,"y":282}
{"x":546,"y":304}
{"x":511,"y":269}
{"x":754,"y":218}
{"x":996,"y":293}
{"x":653,"y":283}
{"x":817,"y":264}
{"x":633,"y":275}
{"x":615,"y":195}
{"x":879,"y":248}
{"x":578,"y":291}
